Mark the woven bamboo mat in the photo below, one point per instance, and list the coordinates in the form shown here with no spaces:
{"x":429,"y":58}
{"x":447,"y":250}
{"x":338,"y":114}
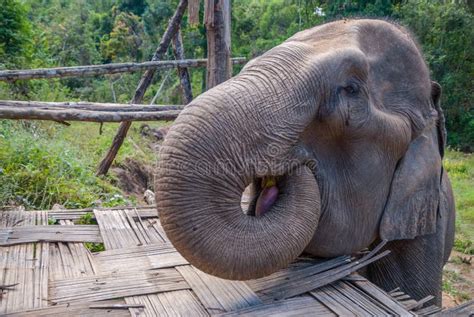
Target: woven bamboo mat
{"x":46,"y":270}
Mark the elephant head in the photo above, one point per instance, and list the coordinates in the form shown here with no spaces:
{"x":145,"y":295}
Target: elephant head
{"x":335,"y":131}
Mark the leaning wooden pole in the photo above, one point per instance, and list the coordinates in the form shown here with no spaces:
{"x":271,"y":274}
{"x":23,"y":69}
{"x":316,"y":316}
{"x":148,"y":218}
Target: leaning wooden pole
{"x":217,"y":21}
{"x":171,"y":30}
{"x":183,"y":73}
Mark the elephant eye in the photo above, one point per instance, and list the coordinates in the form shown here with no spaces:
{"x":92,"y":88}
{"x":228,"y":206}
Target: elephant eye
{"x":351,"y":89}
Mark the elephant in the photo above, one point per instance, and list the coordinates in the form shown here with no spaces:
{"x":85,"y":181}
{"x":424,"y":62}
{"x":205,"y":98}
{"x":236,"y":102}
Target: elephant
{"x":339,"y":135}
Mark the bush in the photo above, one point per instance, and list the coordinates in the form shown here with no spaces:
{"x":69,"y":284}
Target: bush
{"x":37,"y":173}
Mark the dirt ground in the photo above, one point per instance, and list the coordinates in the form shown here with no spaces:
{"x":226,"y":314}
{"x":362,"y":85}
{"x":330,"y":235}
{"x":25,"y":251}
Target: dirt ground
{"x":458,"y":279}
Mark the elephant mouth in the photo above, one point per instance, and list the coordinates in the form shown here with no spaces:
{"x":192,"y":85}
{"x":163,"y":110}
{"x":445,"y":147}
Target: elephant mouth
{"x":259,"y":197}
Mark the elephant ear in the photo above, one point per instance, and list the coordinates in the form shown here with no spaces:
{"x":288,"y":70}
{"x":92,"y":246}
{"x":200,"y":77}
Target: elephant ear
{"x":412,"y":205}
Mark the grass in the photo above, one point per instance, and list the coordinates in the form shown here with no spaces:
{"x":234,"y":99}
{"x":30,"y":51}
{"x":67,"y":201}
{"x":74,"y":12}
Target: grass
{"x":451,"y":285}
{"x":88,"y":219}
{"x":44,"y":163}
{"x":460,"y":168}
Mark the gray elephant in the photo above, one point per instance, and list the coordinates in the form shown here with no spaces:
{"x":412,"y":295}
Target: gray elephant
{"x":340,"y":135}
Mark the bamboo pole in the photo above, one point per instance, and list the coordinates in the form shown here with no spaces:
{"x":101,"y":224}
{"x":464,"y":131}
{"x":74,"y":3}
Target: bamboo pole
{"x":171,"y":30}
{"x":94,"y":70}
{"x":85,"y":111}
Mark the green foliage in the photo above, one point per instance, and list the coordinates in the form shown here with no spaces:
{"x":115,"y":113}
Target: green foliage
{"x":460,"y":168}
{"x":15,"y":34}
{"x":450,"y":281}
{"x":87,"y":219}
{"x":259,"y":25}
{"x":367,"y":8}
{"x":95,"y":247}
{"x":464,"y":245}
{"x":37,"y":173}
{"x":125,"y":40}
{"x":445,"y":29}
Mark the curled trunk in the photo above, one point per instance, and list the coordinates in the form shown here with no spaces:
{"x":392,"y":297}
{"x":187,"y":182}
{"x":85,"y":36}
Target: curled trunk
{"x":224,"y":141}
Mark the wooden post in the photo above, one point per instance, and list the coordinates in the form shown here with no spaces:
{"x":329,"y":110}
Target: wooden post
{"x":193,"y":12}
{"x":171,"y":30}
{"x":183,"y":72}
{"x":217,"y":21}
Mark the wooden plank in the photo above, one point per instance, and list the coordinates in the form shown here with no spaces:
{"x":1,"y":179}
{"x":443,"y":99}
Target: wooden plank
{"x":175,"y":303}
{"x":431,"y":310}
{"x":298,"y":306}
{"x":360,"y":299}
{"x":149,"y":232}
{"x":383,"y":298}
{"x":418,"y":304}
{"x":111,"y":286}
{"x":126,"y":228}
{"x":333,"y":293}
{"x":142,"y":212}
{"x":30,"y":234}
{"x":23,"y":266}
{"x":74,"y":309}
{"x":218,"y":295}
{"x":302,"y":284}
{"x":71,"y":259}
{"x":295,"y":272}
{"x":335,"y":305}
{"x":147,"y":257}
{"x":115,"y":229}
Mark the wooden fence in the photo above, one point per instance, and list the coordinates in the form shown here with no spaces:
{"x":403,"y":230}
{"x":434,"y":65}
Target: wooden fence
{"x":219,"y":68}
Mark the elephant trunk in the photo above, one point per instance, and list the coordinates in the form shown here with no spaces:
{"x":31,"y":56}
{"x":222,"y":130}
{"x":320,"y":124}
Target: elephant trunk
{"x":238,"y":134}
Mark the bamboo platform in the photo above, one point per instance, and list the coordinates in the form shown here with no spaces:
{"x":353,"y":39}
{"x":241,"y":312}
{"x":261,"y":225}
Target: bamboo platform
{"x":46,"y":270}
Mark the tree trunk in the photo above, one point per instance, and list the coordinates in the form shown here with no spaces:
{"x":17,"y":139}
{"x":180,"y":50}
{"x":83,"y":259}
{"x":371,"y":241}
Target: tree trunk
{"x":217,"y":21}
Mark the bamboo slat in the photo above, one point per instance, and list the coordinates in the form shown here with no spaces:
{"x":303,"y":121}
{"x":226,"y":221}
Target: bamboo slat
{"x":218,"y":295}
{"x":70,"y":260}
{"x":142,"y":267}
{"x":24,"y":266}
{"x":37,"y":233}
{"x":298,"y":306}
{"x":74,"y":309}
{"x":147,"y":257}
{"x":295,"y":283}
{"x":383,"y":297}
{"x":112,"y":286}
{"x":175,"y":303}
